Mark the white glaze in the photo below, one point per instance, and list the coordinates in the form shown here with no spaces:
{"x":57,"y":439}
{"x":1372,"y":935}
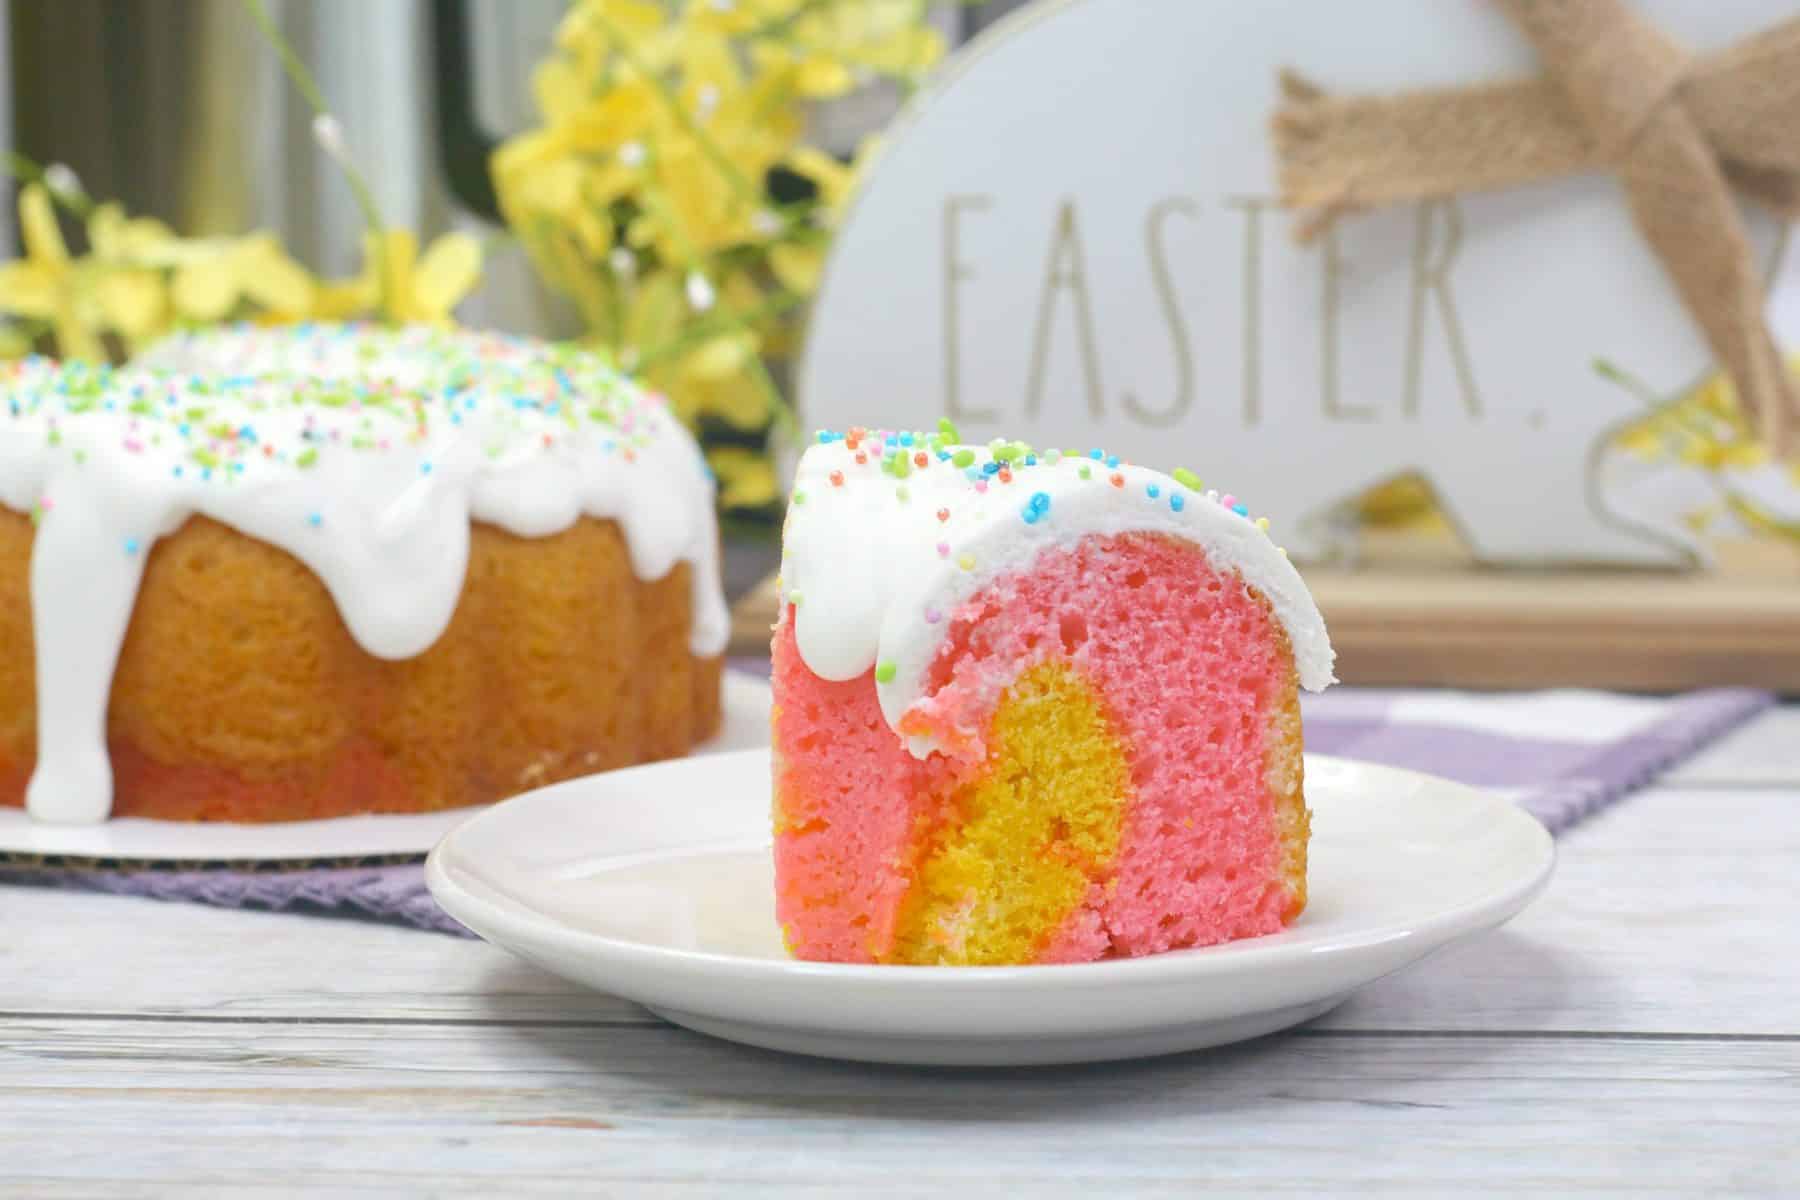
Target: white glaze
{"x":372,"y":485}
{"x":870,"y":568}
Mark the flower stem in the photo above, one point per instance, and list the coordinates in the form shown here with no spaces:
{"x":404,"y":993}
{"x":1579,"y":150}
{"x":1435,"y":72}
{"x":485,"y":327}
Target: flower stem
{"x":308,"y":87}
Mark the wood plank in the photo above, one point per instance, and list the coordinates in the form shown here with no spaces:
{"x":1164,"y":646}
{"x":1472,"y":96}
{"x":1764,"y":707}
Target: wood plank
{"x":1763,"y":752}
{"x":1671,"y":912}
{"x":1427,"y":623}
{"x":229,"y":1106}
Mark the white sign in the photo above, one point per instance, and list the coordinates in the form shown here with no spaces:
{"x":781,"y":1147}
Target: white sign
{"x":1072,"y":237}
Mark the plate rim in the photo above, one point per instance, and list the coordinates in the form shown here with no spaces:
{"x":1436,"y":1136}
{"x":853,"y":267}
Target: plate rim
{"x":1486,"y":911}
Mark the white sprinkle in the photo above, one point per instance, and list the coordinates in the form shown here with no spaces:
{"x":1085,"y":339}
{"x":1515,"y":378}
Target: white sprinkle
{"x":632,"y":154}
{"x":622,"y":261}
{"x":765,"y":223}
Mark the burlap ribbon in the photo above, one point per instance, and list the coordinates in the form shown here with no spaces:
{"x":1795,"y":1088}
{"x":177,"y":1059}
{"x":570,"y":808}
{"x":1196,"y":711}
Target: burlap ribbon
{"x":1679,"y":131}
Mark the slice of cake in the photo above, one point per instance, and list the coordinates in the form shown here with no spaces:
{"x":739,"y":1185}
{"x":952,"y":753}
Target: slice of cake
{"x":1032,"y":707}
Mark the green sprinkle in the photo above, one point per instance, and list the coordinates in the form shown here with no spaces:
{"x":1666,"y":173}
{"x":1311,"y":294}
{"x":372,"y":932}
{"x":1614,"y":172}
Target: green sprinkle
{"x":56,"y":437}
{"x":902,"y":466}
{"x":1008,"y":452}
{"x":205,"y":458}
{"x":963,"y":458}
{"x":1084,"y":472}
{"x":794,"y":597}
{"x":306,"y":457}
{"x":947,"y":427}
{"x":885,"y":672}
{"x":80,"y":457}
{"x":1186,"y":478}
{"x":799,"y":497}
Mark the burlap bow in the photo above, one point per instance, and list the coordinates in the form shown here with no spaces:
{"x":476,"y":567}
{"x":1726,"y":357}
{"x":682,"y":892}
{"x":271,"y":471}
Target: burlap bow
{"x":1678,"y":130}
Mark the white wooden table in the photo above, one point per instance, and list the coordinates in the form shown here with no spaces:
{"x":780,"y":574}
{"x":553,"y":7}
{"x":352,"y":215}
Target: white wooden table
{"x":1636,"y":1031}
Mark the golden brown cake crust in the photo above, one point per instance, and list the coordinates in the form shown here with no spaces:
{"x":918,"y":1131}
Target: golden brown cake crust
{"x":240,"y":695}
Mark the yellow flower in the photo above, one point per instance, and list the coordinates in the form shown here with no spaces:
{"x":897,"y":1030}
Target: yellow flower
{"x":399,"y":284}
{"x":746,"y":477}
{"x":43,"y":284}
{"x":223,"y":274}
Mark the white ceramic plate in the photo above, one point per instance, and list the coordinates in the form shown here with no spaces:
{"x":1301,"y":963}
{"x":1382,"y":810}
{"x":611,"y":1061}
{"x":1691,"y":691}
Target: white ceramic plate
{"x":746,"y":726}
{"x":655,"y":884}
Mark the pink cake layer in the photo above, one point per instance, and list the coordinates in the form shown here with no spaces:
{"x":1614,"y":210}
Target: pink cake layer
{"x":1196,"y":683}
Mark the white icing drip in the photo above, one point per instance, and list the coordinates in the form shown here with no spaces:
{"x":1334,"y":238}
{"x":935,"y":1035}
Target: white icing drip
{"x":373,"y":488}
{"x":871,"y":569}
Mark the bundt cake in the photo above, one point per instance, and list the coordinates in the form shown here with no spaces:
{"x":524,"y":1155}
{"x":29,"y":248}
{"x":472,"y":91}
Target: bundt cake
{"x":282,"y":574}
{"x":1032,"y":707}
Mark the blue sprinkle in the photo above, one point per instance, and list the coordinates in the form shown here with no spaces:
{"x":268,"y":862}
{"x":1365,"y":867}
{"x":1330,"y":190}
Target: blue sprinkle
{"x":1176,"y":501}
{"x":1112,"y":460}
{"x":972,"y":473}
{"x":943,"y":456}
{"x":824,"y":436}
{"x":425,"y":468}
{"x":131,"y":545}
{"x":1096,"y":455}
{"x":1240,"y":510}
{"x":1030,"y":515}
{"x":1153,"y":491}
{"x":177,"y":470}
{"x":1040,"y":502}
{"x":990,"y":468}
{"x":182,"y":428}
{"x":906,"y":439}
{"x":205,"y":473}
{"x":315,"y":520}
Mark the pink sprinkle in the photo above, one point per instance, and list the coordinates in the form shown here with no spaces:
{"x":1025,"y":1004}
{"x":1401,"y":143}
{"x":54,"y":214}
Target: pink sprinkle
{"x":44,"y":503}
{"x":383,"y":443}
{"x":933,"y":616}
{"x":943,"y":549}
{"x":1228,"y":500}
{"x":981,"y":485}
{"x":133,"y":445}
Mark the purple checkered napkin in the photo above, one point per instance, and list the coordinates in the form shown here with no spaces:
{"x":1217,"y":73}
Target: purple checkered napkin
{"x":1560,"y":755}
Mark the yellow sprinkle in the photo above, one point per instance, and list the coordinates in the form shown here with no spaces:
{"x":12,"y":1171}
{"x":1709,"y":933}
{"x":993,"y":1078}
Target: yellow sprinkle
{"x":1262,"y":523}
{"x":966,"y":561}
{"x":1283,"y":550}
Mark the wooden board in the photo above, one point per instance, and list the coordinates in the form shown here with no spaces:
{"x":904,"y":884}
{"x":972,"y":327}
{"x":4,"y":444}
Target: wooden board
{"x":1421,"y":615}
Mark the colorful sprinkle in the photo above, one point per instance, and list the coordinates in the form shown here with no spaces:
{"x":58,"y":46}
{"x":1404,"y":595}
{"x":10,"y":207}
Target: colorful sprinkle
{"x":885,"y":672}
{"x":1177,"y":501}
{"x":966,"y":561}
{"x":837,"y":479}
{"x":933,"y":616}
{"x":131,"y":545}
{"x":947,"y":427}
{"x":1241,"y":510}
{"x":1118,"y":480}
{"x":962,"y":458}
{"x":943,"y":514}
{"x":1186,"y":478}
{"x":1153,"y":491}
